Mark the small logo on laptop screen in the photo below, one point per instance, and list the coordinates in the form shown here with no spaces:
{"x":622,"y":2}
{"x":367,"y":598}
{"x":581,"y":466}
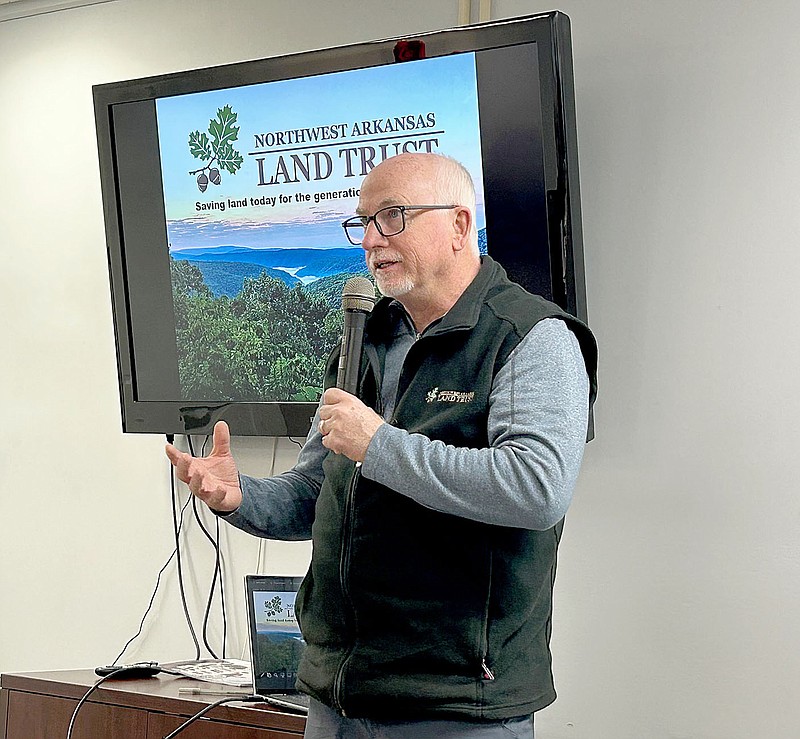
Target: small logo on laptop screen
{"x":277,"y":610}
{"x":274,"y":606}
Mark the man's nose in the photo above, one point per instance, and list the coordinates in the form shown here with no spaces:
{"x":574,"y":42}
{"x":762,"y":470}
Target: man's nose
{"x":372,"y":237}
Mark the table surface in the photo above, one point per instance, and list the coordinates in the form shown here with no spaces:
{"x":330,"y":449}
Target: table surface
{"x":152,"y":694}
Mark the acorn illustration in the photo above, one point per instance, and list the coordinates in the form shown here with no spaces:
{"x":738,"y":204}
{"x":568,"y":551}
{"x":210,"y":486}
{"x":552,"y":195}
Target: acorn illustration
{"x":213,"y":175}
{"x":202,"y":181}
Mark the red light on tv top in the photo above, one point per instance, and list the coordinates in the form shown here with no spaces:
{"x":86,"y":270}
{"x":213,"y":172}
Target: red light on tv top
{"x":409,"y":51}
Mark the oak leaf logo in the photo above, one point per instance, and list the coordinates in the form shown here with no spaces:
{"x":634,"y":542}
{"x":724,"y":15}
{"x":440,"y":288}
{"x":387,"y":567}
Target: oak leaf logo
{"x":216,"y":148}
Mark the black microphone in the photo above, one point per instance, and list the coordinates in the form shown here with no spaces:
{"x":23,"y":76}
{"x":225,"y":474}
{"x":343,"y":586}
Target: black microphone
{"x":358,"y":298}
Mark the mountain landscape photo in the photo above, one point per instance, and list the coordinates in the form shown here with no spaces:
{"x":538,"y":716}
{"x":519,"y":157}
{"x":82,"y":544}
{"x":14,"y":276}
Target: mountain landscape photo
{"x":258,"y":324}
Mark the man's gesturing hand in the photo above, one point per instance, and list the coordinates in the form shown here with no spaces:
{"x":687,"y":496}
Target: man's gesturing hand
{"x":346,"y":424}
{"x":214,"y":479}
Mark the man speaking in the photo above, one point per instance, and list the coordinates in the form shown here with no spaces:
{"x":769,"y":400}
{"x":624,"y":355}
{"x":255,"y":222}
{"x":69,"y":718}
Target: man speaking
{"x":435,"y":495}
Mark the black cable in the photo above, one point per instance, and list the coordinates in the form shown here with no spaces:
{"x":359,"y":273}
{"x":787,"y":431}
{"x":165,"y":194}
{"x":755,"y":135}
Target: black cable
{"x":180,"y":564}
{"x":295,"y":441}
{"x":210,"y":706}
{"x":218,"y":569}
{"x":153,"y":596}
{"x":219,"y":565}
{"x":213,"y":587}
{"x":85,"y":696}
{"x":274,"y":455}
{"x":222,"y":591}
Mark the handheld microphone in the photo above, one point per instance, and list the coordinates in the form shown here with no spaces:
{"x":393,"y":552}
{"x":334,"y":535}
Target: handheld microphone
{"x":358,"y":298}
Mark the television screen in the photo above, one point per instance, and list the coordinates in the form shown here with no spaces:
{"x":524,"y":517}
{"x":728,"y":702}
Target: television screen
{"x":225,"y":189}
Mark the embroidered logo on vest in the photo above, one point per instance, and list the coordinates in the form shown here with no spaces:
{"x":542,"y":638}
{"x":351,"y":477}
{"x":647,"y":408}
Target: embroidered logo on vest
{"x":449,"y":396}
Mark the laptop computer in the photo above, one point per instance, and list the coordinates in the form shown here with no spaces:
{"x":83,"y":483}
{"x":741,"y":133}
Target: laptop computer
{"x":276,"y":644}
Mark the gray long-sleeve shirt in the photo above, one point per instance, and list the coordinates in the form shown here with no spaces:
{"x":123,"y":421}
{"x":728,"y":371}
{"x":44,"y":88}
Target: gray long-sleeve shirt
{"x":538,"y":416}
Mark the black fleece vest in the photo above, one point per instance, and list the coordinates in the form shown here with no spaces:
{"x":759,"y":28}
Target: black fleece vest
{"x":411,"y":613}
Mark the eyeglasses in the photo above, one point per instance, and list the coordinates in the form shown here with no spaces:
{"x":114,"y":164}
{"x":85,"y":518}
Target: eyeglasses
{"x":389,"y":221}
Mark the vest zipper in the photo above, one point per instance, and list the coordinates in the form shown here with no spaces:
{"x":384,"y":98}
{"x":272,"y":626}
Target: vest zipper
{"x":344,"y":567}
{"x":486,"y":673}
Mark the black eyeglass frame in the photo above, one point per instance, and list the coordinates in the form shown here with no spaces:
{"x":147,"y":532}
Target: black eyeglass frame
{"x":364,"y":221}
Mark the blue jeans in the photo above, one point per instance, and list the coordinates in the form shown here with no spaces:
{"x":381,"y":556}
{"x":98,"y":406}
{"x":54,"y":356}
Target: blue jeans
{"x":325,"y":723}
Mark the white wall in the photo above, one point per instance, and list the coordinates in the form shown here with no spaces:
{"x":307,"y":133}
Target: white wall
{"x":84,"y":509}
{"x":678,"y":591}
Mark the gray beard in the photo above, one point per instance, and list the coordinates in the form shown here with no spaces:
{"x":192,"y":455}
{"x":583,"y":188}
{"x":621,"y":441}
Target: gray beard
{"x":396,"y":289}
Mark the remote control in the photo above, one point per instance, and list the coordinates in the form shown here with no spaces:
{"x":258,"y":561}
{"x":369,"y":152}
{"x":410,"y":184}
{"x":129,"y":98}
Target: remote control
{"x":137,"y":670}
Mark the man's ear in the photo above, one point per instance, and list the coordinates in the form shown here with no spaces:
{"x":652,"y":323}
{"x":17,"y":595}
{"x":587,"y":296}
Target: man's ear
{"x":462,"y":225}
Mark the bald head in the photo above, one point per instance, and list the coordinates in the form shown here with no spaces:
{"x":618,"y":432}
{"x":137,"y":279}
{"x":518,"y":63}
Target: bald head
{"x":436,"y":178}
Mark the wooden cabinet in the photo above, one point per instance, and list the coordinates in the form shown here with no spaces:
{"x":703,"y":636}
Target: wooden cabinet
{"x":39,"y":705}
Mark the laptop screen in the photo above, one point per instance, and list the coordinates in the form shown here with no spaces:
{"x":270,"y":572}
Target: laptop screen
{"x":276,"y":644}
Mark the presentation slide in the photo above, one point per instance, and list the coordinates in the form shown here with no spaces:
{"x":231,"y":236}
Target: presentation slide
{"x":257,"y":181}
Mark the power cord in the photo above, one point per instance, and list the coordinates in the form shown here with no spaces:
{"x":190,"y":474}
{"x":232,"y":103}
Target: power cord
{"x":155,"y":591}
{"x":83,"y":700}
{"x":218,"y":568}
{"x":153,"y":669}
{"x":211,"y":706}
{"x":217,"y":573}
{"x":176,"y":530}
{"x":221,"y":589}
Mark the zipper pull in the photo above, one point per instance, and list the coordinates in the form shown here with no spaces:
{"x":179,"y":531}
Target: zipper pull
{"x":487,"y":673}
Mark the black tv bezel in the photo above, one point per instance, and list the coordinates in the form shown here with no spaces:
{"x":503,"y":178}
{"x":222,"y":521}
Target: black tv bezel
{"x":550,"y":32}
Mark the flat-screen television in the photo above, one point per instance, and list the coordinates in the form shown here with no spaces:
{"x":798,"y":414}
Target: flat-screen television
{"x":224,"y":190}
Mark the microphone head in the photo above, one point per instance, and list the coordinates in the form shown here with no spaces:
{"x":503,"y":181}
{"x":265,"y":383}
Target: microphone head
{"x":358,"y":293}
